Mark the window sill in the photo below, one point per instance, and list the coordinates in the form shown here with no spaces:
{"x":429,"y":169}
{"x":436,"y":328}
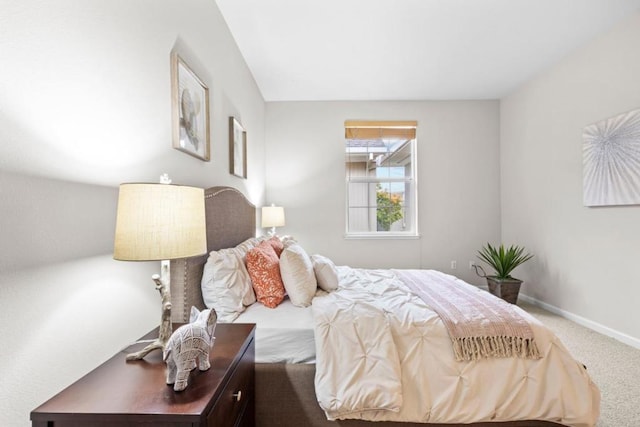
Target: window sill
{"x":381,"y":236}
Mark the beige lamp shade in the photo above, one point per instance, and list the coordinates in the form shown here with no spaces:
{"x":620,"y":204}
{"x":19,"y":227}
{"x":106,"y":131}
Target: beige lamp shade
{"x":272,"y":216}
{"x":159,"y":222}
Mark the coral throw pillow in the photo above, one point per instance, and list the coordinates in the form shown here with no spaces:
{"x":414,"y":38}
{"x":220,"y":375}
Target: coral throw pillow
{"x":263,"y":266}
{"x":277,"y":245}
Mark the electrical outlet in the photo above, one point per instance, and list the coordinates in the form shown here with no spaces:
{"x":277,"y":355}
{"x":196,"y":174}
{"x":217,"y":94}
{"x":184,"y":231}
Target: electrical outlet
{"x":454,"y":265}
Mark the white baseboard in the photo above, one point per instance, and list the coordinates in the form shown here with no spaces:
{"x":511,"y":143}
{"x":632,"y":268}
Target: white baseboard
{"x":604,"y":330}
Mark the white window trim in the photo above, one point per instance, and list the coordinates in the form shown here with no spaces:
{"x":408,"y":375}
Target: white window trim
{"x":387,"y":235}
{"x":382,"y":235}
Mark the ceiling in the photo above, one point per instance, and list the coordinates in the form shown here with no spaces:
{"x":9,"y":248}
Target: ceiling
{"x":409,"y":49}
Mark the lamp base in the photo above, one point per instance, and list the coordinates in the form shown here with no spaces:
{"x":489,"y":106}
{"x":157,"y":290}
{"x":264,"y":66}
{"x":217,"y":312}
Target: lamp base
{"x":166,"y":328}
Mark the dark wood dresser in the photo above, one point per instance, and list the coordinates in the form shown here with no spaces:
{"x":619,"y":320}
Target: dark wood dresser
{"x":120,"y":393}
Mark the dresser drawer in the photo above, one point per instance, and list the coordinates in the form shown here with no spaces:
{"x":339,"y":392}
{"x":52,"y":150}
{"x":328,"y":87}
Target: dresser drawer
{"x":236,"y":402}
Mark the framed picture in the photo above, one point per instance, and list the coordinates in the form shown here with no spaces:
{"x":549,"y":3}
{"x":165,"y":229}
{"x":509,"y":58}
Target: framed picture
{"x":237,"y":148}
{"x":189,"y":110}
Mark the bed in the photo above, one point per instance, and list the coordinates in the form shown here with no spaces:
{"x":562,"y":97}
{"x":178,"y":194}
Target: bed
{"x":286,"y":391}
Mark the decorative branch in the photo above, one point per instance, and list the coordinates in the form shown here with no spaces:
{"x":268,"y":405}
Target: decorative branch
{"x":166,"y":328}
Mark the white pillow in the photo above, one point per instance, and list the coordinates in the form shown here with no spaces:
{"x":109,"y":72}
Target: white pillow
{"x":297,"y":275}
{"x":287,"y":240}
{"x":247,"y":245}
{"x":326,"y":273}
{"x":226,"y":285}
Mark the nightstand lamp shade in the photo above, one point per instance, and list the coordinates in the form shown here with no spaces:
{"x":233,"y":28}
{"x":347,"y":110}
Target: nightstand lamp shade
{"x":272,"y":216}
{"x":159,"y":222}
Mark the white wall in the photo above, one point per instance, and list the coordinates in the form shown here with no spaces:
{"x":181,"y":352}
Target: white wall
{"x":458,"y":180}
{"x":85,"y":104}
{"x":586,"y":258}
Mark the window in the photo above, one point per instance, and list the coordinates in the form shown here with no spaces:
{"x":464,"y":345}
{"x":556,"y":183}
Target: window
{"x":380,"y":167}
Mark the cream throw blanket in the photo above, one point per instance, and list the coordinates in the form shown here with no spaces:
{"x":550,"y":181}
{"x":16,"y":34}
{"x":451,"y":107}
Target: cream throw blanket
{"x":479,"y":324}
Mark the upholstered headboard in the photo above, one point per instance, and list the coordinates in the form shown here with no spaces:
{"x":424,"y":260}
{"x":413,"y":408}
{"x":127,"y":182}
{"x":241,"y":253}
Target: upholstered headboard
{"x":231,"y":219}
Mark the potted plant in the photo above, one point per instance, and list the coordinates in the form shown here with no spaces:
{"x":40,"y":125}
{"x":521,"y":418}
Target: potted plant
{"x":503,"y":261}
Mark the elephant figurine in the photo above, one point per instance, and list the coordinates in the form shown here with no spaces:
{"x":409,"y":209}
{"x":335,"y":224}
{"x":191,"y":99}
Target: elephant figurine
{"x":189,"y":346}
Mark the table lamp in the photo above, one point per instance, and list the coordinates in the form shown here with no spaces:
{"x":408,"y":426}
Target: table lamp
{"x":272,"y":216}
{"x":159,"y":222}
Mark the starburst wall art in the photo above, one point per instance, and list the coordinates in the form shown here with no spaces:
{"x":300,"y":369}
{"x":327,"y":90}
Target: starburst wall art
{"x":611,"y":161}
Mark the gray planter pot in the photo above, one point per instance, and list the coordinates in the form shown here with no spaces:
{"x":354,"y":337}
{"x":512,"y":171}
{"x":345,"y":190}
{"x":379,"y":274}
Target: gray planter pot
{"x":507,"y":289}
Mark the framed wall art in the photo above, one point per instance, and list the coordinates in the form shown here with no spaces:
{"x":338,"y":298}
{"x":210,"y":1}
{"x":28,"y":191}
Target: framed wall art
{"x":611,"y":161}
{"x":237,"y":148}
{"x":189,"y":110}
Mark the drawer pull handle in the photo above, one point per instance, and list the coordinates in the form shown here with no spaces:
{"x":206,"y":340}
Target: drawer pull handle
{"x":238,"y":396}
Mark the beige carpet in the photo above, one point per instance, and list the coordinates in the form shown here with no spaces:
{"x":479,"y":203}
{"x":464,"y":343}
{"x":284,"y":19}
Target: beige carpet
{"x":613,"y":366}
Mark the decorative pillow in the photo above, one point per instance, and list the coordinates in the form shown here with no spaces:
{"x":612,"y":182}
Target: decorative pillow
{"x":326,"y":273}
{"x":249,"y":295}
{"x":247,"y":245}
{"x":287,"y":240}
{"x":297,"y":275}
{"x":226,"y":285}
{"x":264,"y":269}
{"x":276,"y":244}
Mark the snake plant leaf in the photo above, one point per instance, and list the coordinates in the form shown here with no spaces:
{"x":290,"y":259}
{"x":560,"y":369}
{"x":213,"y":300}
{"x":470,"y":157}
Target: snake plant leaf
{"x":503,"y":260}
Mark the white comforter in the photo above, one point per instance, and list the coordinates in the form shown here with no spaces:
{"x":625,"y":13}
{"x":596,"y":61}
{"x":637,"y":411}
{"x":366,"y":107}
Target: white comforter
{"x":383,"y":355}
